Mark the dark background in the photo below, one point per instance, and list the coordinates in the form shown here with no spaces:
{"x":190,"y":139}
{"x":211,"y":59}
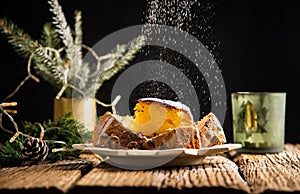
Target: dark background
{"x":258,"y":49}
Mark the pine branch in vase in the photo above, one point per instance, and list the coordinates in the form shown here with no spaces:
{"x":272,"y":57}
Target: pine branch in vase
{"x":22,"y":43}
{"x":50,"y":37}
{"x":122,"y":54}
{"x":57,"y":56}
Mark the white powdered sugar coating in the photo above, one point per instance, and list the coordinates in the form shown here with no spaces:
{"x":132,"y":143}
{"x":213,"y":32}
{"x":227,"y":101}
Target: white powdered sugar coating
{"x":175,"y":104}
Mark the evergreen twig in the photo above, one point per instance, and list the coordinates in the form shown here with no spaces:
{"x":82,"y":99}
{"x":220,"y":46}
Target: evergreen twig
{"x":63,"y":67}
{"x":66,"y":130}
{"x":10,"y":154}
{"x":122,"y":54}
{"x":50,"y":37}
{"x":63,"y":29}
{"x":23,"y":44}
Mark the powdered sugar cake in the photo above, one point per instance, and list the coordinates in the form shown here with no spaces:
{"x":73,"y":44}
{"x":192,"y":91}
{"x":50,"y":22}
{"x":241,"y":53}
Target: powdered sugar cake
{"x":171,"y":126}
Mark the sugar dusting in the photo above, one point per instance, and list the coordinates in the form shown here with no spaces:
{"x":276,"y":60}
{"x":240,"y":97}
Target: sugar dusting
{"x":175,"y":13}
{"x":195,"y":17}
{"x":192,"y":17}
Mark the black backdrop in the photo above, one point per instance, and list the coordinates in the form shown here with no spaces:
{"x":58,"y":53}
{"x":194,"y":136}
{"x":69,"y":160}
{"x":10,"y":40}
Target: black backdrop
{"x":258,"y":50}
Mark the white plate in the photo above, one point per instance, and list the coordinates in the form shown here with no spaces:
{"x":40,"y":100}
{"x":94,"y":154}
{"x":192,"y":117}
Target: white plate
{"x":146,"y":159}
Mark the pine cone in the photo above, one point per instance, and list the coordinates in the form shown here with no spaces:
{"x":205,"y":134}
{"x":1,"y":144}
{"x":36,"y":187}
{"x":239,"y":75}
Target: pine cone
{"x":34,"y":150}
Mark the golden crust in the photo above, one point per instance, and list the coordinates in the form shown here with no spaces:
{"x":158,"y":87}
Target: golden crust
{"x":111,"y":133}
{"x":211,"y":131}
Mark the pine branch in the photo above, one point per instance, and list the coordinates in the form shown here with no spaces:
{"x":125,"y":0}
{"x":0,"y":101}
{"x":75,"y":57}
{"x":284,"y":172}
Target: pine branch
{"x":50,"y":37}
{"x":79,"y":72}
{"x":49,"y":66}
{"x":63,"y":70}
{"x":23,"y":44}
{"x":65,"y":129}
{"x":78,"y":36}
{"x":64,"y":30}
{"x":10,"y":154}
{"x":48,"y":62}
{"x":122,"y":54}
{"x":132,"y":49}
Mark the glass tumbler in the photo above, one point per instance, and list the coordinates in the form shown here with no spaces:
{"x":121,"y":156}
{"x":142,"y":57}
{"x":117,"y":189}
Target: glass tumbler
{"x":259,"y":121}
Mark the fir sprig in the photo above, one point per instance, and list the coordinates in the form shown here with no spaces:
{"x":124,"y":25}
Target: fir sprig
{"x":10,"y":154}
{"x":23,"y":44}
{"x":48,"y":67}
{"x":66,"y":129}
{"x":122,"y":54}
{"x":50,"y":37}
{"x":57,"y":57}
{"x":64,"y":30}
{"x":78,"y":35}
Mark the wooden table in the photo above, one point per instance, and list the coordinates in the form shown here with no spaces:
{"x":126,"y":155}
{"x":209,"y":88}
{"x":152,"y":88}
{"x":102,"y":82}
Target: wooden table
{"x":228,"y":172}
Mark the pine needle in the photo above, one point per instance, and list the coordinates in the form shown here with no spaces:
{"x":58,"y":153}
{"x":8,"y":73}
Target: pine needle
{"x":23,"y":44}
{"x":122,"y":55}
{"x":64,"y":66}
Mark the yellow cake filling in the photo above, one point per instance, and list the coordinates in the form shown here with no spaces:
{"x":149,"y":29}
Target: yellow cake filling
{"x":154,"y":116}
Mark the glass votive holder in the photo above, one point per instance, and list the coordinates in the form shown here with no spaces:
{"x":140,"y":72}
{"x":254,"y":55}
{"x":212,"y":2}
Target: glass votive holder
{"x":259,"y":121}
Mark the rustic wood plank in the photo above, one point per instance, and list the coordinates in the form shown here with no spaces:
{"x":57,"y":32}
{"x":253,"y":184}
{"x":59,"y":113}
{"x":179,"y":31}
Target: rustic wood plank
{"x":60,"y":176}
{"x":272,"y":172}
{"x":215,"y":172}
{"x":261,"y":172}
